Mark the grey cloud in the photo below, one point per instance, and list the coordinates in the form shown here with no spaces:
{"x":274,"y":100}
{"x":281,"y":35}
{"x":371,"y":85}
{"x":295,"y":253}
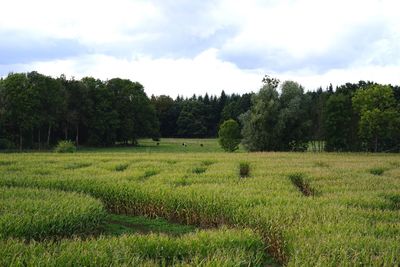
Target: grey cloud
{"x":19,"y":48}
{"x":358,"y":44}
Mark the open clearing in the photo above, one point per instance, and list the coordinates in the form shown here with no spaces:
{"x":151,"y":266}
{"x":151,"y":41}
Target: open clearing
{"x":293,"y":208}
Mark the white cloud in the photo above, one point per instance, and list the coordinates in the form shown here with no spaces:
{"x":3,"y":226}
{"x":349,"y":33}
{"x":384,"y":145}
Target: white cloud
{"x":90,"y":21}
{"x":204,"y":73}
{"x":185,"y":47}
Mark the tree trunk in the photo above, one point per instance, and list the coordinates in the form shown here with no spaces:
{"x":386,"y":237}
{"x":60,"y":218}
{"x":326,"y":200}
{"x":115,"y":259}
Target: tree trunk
{"x":40,"y":145}
{"x":376,"y":144}
{"x":48,"y":135}
{"x":77,"y":135}
{"x":66,"y":132}
{"x":20,"y":140}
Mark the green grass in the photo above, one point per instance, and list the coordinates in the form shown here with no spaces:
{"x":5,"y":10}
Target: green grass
{"x":40,"y":213}
{"x":166,"y":145}
{"x":352,"y":220}
{"x":124,"y":224}
{"x":225,"y":247}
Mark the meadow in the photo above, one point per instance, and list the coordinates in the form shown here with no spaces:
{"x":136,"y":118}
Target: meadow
{"x":170,"y":204}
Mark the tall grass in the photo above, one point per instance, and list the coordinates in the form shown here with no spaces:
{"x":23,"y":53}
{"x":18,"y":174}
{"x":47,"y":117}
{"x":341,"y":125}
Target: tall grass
{"x":353,"y":221}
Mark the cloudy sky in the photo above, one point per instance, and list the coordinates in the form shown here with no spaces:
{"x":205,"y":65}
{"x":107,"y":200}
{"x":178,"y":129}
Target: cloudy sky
{"x":185,"y":47}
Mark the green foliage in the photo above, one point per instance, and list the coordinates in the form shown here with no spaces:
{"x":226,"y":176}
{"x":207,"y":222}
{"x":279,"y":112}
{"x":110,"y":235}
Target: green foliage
{"x":377,"y":171}
{"x":259,"y":132}
{"x":276,"y":122}
{"x":379,"y":119}
{"x":191,"y":121}
{"x":229,"y":136}
{"x":6,"y":144}
{"x":65,"y":146}
{"x":338,"y":123}
{"x":37,"y":110}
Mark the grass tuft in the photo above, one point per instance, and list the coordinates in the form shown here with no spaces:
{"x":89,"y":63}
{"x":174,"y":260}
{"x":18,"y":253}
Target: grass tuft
{"x":121,"y":167}
{"x":377,"y":171}
{"x":321,"y":164}
{"x":6,"y":162}
{"x":300,"y":181}
{"x":183,"y":181}
{"x":199,"y":170}
{"x":148,"y":173}
{"x":244,"y":169}
{"x":207,"y":162}
{"x":76,"y":165}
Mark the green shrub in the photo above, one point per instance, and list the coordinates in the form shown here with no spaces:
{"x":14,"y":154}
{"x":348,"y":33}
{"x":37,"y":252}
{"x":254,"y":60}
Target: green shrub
{"x":244,"y":169}
{"x":229,"y":135}
{"x":66,"y":146}
{"x":377,"y":171}
{"x":198,"y":170}
{"x":121,"y":167}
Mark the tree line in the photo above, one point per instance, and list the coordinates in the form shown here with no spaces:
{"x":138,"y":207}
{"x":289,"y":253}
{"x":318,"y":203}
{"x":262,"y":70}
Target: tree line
{"x":355,"y":117}
{"x":37,"y":111}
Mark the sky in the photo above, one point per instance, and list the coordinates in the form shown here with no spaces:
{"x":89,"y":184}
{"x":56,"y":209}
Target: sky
{"x":191,"y":47}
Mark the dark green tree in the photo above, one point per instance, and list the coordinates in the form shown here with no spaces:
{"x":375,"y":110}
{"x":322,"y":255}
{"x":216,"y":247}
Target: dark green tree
{"x":167,"y":112}
{"x":338,"y":123}
{"x":259,"y":123}
{"x":20,"y":106}
{"x":293,"y":125}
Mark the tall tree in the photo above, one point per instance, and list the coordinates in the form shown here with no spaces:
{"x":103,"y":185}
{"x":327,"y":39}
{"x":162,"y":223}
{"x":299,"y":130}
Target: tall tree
{"x":259,"y":123}
{"x":48,"y":92}
{"x":20,"y":104}
{"x":379,"y":119}
{"x":167,"y":113}
{"x":293,"y":122}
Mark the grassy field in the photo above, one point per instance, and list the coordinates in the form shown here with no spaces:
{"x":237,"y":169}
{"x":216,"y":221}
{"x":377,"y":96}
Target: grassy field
{"x":166,"y":145}
{"x":310,"y":209}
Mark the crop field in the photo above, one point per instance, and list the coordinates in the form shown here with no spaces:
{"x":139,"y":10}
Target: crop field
{"x":170,"y":204}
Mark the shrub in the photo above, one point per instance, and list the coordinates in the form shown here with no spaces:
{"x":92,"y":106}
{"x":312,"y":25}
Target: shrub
{"x":244,"y":169}
{"x":298,"y":146}
{"x":229,"y":135}
{"x":121,"y":167}
{"x":198,"y":170}
{"x":66,"y":146}
{"x":377,"y":171}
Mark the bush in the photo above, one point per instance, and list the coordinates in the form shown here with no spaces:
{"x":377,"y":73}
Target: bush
{"x":229,"y":135}
{"x":298,"y":146}
{"x":66,"y":146}
{"x":377,"y":171}
{"x":6,"y":144}
{"x":244,"y":169}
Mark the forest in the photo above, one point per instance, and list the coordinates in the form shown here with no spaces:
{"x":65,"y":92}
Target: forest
{"x":37,"y":111}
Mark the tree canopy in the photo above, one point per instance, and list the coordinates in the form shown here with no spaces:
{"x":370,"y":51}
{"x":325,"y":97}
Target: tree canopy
{"x":37,"y":111}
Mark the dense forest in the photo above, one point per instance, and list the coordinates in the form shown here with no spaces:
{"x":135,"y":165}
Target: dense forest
{"x":36,"y":111}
